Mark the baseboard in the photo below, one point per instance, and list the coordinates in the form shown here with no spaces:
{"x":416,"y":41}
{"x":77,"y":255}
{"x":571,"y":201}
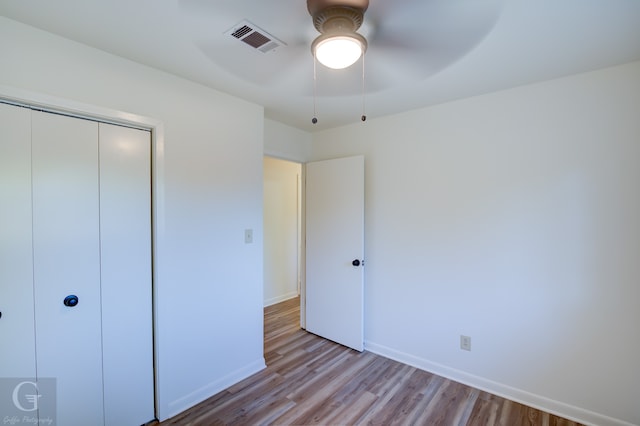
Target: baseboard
{"x":532,"y":400}
{"x":179,"y":405}
{"x":279,"y":299}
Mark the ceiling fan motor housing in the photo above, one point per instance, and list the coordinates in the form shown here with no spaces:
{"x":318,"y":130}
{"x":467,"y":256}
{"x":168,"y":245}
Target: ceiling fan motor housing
{"x":338,"y":19}
{"x":336,"y":15}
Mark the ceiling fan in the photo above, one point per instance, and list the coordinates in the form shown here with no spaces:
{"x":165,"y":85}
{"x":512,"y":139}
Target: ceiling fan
{"x":403,"y":41}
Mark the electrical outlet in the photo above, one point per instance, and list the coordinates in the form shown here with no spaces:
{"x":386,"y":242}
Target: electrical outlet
{"x":248,"y":236}
{"x":465,"y":343}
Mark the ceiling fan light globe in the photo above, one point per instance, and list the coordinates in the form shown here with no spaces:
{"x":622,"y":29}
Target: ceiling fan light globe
{"x":338,"y":52}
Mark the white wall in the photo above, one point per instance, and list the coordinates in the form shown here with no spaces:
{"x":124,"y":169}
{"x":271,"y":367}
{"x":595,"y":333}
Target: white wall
{"x":513,"y":218}
{"x":281,"y":229}
{"x":209,"y":286}
{"x":286,"y":142}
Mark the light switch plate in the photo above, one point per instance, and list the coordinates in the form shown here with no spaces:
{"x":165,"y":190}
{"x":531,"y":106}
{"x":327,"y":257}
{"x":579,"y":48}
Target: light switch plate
{"x":465,"y":343}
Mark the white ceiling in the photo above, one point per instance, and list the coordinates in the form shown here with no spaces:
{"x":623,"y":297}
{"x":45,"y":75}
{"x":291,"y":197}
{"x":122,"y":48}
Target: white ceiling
{"x":421,"y":52}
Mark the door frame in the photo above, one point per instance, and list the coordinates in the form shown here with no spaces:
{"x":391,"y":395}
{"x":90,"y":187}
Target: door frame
{"x":56,"y":105}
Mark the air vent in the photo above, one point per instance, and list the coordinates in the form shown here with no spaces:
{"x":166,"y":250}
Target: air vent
{"x":255,"y":37}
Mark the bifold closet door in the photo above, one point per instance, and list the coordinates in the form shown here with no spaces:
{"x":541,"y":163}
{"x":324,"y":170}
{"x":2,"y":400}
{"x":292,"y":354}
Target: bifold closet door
{"x":75,"y":264}
{"x":125,"y":241}
{"x":17,"y":357}
{"x":66,"y":253}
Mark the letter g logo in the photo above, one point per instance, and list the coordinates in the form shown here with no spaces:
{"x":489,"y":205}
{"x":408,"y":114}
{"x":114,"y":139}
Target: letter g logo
{"x":32,"y":398}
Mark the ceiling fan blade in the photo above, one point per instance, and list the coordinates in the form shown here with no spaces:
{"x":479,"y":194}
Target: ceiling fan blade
{"x":275,"y":67}
{"x":448,"y":31}
{"x":404,"y":62}
{"x":211,"y":22}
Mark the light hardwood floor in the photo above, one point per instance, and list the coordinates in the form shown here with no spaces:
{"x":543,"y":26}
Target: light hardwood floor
{"x":313,"y":381}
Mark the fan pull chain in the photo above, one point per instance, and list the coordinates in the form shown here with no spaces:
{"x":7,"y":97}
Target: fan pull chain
{"x":314,"y":120}
{"x":364,"y":116}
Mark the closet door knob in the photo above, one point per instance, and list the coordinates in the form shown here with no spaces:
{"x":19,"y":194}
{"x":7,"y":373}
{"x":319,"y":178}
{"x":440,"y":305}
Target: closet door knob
{"x":356,"y":262}
{"x":71,"y":300}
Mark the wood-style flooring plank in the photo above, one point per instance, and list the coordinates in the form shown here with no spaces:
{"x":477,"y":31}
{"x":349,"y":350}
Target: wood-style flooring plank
{"x":313,"y":381}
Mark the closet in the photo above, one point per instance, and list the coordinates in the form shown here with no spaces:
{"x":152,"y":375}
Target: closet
{"x":75,"y":266}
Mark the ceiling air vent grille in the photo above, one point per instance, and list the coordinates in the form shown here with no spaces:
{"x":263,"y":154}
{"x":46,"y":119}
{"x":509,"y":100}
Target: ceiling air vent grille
{"x":255,"y":37}
{"x":242,"y":31}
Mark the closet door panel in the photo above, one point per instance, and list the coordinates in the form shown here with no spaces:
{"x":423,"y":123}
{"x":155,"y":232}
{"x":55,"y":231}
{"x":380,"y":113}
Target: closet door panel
{"x":125,"y":229}
{"x":17,"y":357}
{"x":67,"y":262}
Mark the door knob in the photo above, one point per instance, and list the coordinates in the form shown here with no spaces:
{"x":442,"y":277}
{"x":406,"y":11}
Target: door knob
{"x":356,"y":262}
{"x":71,"y":300}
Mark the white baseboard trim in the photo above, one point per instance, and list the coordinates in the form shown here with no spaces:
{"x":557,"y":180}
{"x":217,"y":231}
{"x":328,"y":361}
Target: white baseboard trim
{"x":282,"y":298}
{"x":536,"y":401}
{"x":179,"y":405}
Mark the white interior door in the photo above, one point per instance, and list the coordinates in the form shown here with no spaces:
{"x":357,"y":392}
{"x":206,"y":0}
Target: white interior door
{"x":17,"y":358}
{"x":125,"y":248}
{"x":335,"y":250}
{"x":66,"y":252}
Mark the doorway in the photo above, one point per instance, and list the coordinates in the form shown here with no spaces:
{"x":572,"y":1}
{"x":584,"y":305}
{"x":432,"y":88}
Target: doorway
{"x":283,"y":266}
